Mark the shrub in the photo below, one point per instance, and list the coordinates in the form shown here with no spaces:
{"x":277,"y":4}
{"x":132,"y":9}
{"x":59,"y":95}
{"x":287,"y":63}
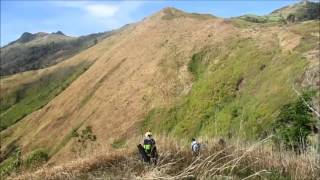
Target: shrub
{"x":86,"y":134}
{"x":36,"y":158}
{"x":255,"y":19}
{"x":83,"y":138}
{"x":196,"y":65}
{"x":294,"y":124}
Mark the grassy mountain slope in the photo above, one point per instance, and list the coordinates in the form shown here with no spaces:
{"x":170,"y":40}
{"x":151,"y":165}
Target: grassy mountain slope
{"x":24,"y":93}
{"x":124,"y":83}
{"x":243,"y":86}
{"x":293,"y":13}
{"x":40,"y":50}
{"x":177,"y":73}
{"x":302,"y":11}
{"x":28,"y":97}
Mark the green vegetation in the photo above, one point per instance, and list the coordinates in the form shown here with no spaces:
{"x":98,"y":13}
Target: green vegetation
{"x":15,"y":162}
{"x":294,"y":124}
{"x":235,"y":94}
{"x":310,"y":35}
{"x":36,"y":158}
{"x":196,"y":65}
{"x":119,"y":143}
{"x":43,"y":51}
{"x":277,"y":175}
{"x":85,"y":139}
{"x":290,"y":14}
{"x":11,"y":164}
{"x":84,"y":136}
{"x":30,"y":97}
{"x":309,"y":11}
{"x":262,"y":19}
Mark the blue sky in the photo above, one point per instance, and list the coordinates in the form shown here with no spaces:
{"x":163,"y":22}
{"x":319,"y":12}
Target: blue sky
{"x":76,"y":18}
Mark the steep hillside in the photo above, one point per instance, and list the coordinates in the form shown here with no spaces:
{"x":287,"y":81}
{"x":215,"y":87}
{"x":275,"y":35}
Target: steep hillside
{"x":305,"y":10}
{"x":241,"y":85}
{"x":24,"y":93}
{"x":40,"y":50}
{"x":142,"y":67}
{"x":20,"y":97}
{"x":175,"y":73}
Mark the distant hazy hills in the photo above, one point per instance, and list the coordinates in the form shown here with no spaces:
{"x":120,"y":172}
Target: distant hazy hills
{"x":39,"y":50}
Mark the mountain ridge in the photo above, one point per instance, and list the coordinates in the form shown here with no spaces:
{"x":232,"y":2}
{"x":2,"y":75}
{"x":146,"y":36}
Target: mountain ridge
{"x":27,"y":37}
{"x":302,"y":11}
{"x":39,"y":50}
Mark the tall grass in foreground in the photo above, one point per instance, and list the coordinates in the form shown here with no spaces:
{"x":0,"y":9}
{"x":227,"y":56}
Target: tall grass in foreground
{"x":218,"y":160}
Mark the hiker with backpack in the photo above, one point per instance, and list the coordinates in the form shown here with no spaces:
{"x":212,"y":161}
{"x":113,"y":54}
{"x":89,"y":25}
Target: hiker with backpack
{"x":195,"y":147}
{"x":149,"y":150}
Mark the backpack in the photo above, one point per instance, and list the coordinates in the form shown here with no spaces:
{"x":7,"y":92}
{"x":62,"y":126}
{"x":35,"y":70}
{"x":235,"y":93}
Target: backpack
{"x":196,"y":147}
{"x":148,"y":145}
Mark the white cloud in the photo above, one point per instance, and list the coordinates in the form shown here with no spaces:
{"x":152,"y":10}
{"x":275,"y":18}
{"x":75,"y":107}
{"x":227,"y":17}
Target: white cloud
{"x":73,"y":17}
{"x":101,"y":10}
{"x":110,"y":14}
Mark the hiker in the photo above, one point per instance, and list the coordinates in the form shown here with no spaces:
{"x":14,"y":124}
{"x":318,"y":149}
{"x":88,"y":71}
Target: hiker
{"x":149,"y":150}
{"x":149,"y":145}
{"x":195,"y":147}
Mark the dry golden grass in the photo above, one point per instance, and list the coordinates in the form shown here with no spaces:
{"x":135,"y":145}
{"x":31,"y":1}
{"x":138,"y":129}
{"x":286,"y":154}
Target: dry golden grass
{"x":144,"y":66}
{"x":217,"y":161}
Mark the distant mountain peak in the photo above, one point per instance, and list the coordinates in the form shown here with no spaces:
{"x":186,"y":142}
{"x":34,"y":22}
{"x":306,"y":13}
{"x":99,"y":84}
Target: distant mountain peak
{"x":26,"y":36}
{"x":59,"y":33}
{"x":171,"y":11}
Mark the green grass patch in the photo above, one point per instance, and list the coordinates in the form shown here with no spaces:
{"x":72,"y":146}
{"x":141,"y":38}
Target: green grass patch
{"x":36,"y":158}
{"x":310,"y":35}
{"x":119,"y":143}
{"x":233,"y":95}
{"x":30,"y":97}
{"x":15,"y":163}
{"x":9,"y":165}
{"x":196,"y":65}
{"x":254,"y":18}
